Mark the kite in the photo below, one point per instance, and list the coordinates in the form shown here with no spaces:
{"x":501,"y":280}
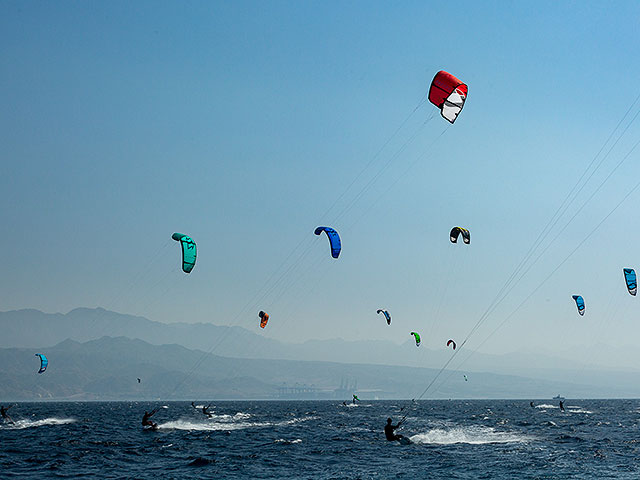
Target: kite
{"x":579,"y":303}
{"x":448,"y":94}
{"x":334,"y":239}
{"x":417,"y":335}
{"x":451,"y":342}
{"x":630,"y":278}
{"x":188,"y":251}
{"x":455,"y":233}
{"x":264,"y":318}
{"x":386,"y":315}
{"x":43,"y":362}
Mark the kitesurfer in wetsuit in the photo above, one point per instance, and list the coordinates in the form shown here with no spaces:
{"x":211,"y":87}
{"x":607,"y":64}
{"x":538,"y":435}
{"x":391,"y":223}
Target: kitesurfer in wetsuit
{"x":561,"y":406}
{"x":145,"y":419}
{"x":344,"y":403}
{"x":194,"y":406}
{"x":388,"y":431}
{"x":532,"y":405}
{"x":205,"y":410}
{"x":3,"y":412}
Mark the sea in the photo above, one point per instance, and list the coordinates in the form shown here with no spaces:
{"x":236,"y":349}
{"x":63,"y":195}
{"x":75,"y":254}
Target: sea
{"x":454,"y":439}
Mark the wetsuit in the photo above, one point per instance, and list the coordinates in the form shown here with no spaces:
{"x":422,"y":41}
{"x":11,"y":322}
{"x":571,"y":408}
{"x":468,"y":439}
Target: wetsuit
{"x":388,"y":432}
{"x":3,"y":412}
{"x":205,"y":410}
{"x":561,"y":406}
{"x":145,"y":419}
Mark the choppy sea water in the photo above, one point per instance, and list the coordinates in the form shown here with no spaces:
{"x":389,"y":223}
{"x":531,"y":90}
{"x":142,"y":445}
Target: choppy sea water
{"x":496,"y":439}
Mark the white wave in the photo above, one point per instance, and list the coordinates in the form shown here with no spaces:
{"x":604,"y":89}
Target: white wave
{"x":470,"y":435}
{"x":229,"y":418}
{"x":165,"y":406}
{"x":209,"y":425}
{"x":545,"y":405}
{"x":288,"y":442}
{"x":20,"y":424}
{"x":578,"y":410}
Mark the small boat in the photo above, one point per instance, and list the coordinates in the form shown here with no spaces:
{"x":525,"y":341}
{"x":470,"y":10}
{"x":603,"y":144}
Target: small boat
{"x":558,"y":397}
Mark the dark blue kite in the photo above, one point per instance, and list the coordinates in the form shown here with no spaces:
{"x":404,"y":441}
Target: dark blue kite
{"x":334,"y":239}
{"x":386,"y":315}
{"x":630,"y":278}
{"x":579,"y":303}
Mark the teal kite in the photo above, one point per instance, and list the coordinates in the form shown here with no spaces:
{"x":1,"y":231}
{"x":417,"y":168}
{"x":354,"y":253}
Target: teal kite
{"x":188,"y":251}
{"x":43,"y":362}
{"x":630,"y":279}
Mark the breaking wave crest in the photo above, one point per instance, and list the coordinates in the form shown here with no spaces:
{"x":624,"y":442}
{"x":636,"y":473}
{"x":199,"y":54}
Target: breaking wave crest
{"x":215,"y":425}
{"x":20,"y":424}
{"x":470,"y":435}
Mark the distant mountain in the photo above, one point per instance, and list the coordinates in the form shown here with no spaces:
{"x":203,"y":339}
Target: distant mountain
{"x":108,"y":368}
{"x":31,"y":328}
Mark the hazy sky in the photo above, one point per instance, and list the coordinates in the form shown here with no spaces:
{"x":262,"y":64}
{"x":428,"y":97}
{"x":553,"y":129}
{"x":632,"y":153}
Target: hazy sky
{"x":246,"y":124}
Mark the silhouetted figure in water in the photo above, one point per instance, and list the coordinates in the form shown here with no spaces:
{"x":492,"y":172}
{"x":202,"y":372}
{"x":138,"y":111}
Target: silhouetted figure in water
{"x":561,"y":406}
{"x":145,"y":419}
{"x":205,"y":410}
{"x":344,"y":403}
{"x":532,"y":405}
{"x":389,"y":431}
{"x":194,"y":406}
{"x":3,"y":412}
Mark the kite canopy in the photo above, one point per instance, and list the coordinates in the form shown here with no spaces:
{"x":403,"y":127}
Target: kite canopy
{"x":630,"y":278}
{"x":417,"y":335}
{"x":456,"y":232}
{"x":43,"y":362}
{"x":451,"y":342}
{"x":448,"y":93}
{"x":264,"y":318}
{"x":334,"y":239}
{"x":188,"y":251}
{"x":386,"y":315}
{"x":579,"y":303}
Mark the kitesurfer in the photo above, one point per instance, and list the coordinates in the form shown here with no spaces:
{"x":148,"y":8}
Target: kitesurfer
{"x":205,"y":410}
{"x":561,"y":406}
{"x":532,"y":405}
{"x":194,"y":406}
{"x":145,"y":419}
{"x":344,"y":403}
{"x":388,"y":432}
{"x":3,"y":412}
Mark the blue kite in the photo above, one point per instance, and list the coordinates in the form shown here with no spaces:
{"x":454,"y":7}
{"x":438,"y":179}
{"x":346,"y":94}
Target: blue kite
{"x":579,"y":303}
{"x":43,"y":362}
{"x":334,"y":240}
{"x":630,"y":278}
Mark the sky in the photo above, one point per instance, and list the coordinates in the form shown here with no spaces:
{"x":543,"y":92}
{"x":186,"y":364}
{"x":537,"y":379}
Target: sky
{"x":247,"y":124}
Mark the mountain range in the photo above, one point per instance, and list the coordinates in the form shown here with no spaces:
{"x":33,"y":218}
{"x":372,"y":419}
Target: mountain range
{"x":97,"y":353}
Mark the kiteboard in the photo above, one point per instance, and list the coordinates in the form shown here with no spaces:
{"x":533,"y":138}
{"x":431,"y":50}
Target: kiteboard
{"x":404,"y":441}
{"x":151,"y":428}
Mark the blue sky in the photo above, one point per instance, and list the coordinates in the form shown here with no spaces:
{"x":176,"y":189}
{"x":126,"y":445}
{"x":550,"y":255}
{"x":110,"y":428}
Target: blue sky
{"x":240,"y":124}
